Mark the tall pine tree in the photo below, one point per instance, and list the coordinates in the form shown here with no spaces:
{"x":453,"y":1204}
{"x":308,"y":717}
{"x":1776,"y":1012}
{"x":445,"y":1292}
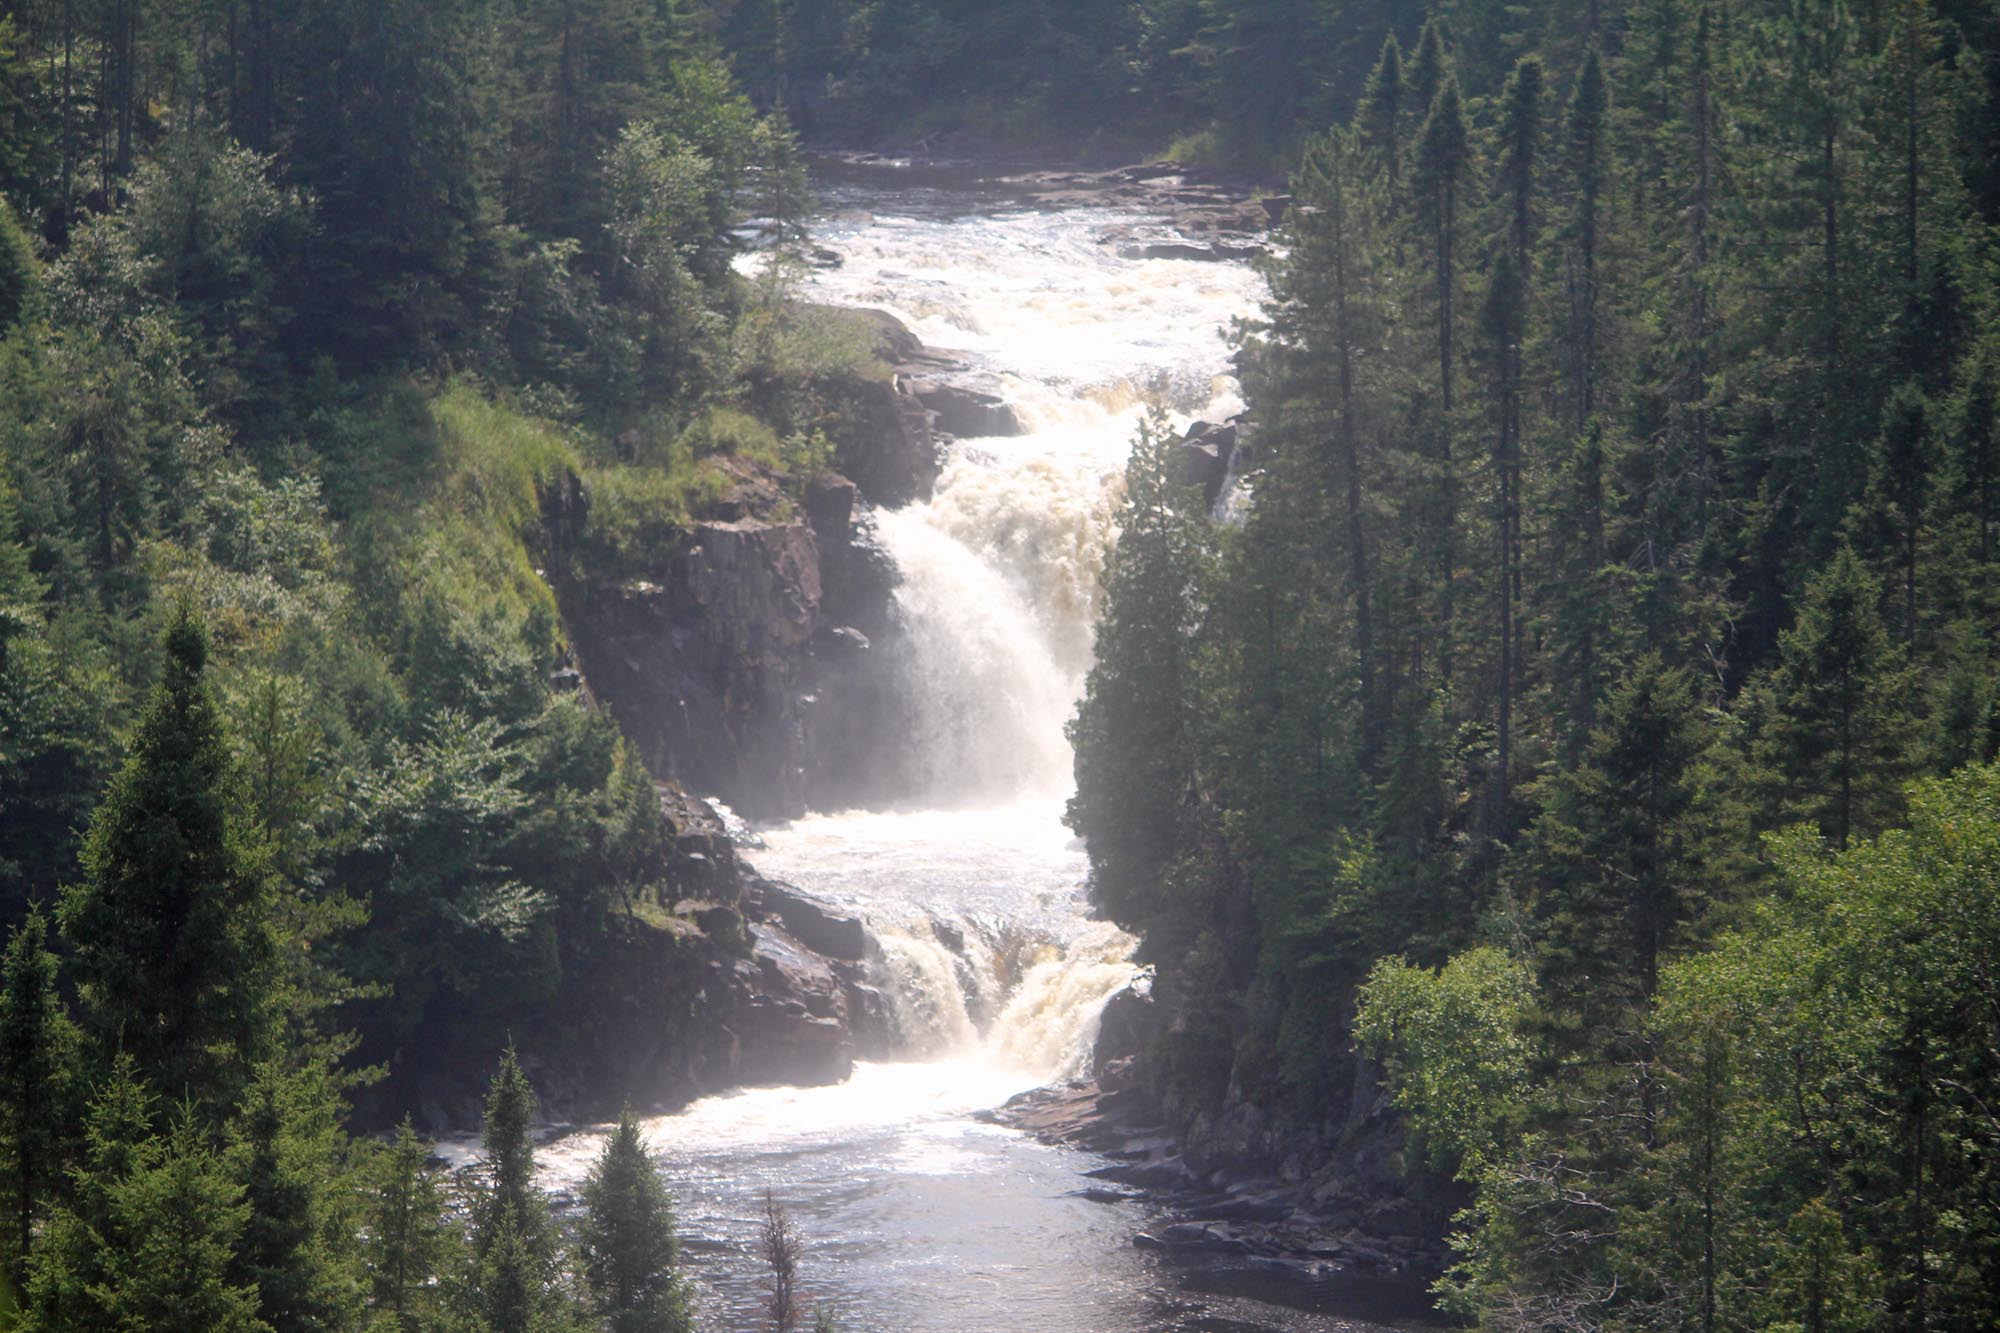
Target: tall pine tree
{"x":627,"y":1243}
{"x":171,"y":928}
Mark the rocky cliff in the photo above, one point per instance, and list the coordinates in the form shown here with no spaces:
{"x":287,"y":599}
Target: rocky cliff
{"x":745,"y":664}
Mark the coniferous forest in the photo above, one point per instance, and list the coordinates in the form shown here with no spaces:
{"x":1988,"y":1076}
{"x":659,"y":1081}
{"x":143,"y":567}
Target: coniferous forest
{"x":1590,"y":728}
{"x":1582,"y":738}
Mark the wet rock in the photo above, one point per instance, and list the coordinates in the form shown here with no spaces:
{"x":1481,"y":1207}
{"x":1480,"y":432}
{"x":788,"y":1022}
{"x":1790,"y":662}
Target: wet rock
{"x":1126,"y":1024}
{"x":965,"y":413}
{"x":716,"y":659}
{"x":894,"y":341}
{"x":1170,"y":1173}
{"x":832,"y":503}
{"x":883,"y":436}
{"x":841,"y":641}
{"x":1214,"y":253}
{"x":855,"y":700}
{"x":707,"y":665}
{"x":793,"y":1024}
{"x":1255,"y":1206}
{"x":813,"y":924}
{"x":1205,"y":453}
{"x":700,"y":858}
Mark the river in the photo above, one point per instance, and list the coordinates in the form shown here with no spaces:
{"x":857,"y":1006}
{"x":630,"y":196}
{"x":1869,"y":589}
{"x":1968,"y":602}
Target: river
{"x":919,"y":1217}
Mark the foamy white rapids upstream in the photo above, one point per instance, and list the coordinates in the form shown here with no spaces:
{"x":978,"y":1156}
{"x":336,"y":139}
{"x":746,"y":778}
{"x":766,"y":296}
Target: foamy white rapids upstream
{"x":920,"y":1217}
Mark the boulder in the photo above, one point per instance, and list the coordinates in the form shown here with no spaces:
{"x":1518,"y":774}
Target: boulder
{"x":813,"y":924}
{"x":965,"y":413}
{"x":793,"y":1019}
{"x":1206,"y":451}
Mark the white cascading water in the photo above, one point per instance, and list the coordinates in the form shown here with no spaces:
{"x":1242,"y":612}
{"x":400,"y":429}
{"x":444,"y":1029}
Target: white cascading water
{"x":922,"y":1218}
{"x":1000,"y":594}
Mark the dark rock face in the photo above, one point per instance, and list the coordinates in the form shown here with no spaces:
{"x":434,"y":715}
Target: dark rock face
{"x":965,"y":413}
{"x":1254,"y":1234}
{"x":742,"y":982}
{"x":883,"y":441}
{"x":707,"y":665}
{"x":1267,"y":1201}
{"x":853,"y":700}
{"x":1214,"y":253}
{"x":812,"y":923}
{"x":750,"y":664}
{"x":1205,"y":453}
{"x":746,"y":665}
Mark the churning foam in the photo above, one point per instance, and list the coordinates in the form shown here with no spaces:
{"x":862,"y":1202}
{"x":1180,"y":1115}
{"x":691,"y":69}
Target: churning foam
{"x":975,"y":891}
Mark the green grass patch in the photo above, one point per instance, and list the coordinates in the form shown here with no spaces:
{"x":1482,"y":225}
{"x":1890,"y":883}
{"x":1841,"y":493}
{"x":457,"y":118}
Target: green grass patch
{"x":1201,"y":148}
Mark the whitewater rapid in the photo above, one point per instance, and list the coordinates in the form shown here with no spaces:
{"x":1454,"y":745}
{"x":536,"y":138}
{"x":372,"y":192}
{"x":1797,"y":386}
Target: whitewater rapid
{"x":920,"y":1216}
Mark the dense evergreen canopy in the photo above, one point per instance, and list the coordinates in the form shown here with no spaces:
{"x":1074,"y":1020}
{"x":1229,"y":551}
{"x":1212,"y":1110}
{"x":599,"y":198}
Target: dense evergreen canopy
{"x":1617,"y":555}
{"x":1591,"y":722}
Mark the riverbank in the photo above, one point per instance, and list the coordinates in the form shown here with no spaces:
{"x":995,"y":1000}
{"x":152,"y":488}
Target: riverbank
{"x":1026,"y":329}
{"x":1304,"y":1242}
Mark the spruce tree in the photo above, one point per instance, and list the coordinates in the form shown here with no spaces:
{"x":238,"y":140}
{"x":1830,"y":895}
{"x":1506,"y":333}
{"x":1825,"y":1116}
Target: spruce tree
{"x":1900,"y":487}
{"x":1133,"y":732}
{"x":1581,"y":602}
{"x":1329,"y":312}
{"x":1586,"y":127}
{"x":406,"y":1244}
{"x":1833,"y":739}
{"x":177,"y":1220}
{"x":38,"y":1057}
{"x":1380,"y":115}
{"x":287,"y":1154}
{"x":1506,"y":317}
{"x":628,"y":1244}
{"x":515,"y":1261}
{"x":171,"y":927}
{"x":1623,"y":858}
{"x":1973,"y":469}
{"x":1428,"y":67}
{"x":1443,"y":159}
{"x":147,"y":1239}
{"x":18,"y":269}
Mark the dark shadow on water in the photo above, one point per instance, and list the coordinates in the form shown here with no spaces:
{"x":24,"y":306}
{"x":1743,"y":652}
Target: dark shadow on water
{"x":1401,"y":1301}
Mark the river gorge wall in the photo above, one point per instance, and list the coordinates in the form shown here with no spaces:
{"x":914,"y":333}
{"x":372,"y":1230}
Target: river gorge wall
{"x":746,"y":665}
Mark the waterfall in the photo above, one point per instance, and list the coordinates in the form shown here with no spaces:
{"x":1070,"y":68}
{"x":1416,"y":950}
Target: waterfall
{"x":927,"y":994}
{"x":999,"y":599}
{"x":924,"y":1216}
{"x":971,"y":884}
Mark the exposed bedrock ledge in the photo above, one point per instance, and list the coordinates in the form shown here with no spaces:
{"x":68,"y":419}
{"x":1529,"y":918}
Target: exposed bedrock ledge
{"x":738,"y":982}
{"x":708,"y":661}
{"x":746,"y":665}
{"x":751,"y":664}
{"x":1250,"y":1199}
